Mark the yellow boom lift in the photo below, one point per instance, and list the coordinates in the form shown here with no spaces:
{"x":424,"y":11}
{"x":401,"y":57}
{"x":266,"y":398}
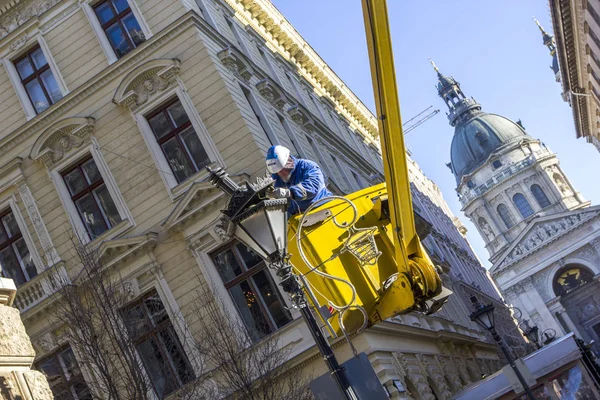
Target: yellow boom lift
{"x":361,"y":254}
{"x":358,"y":254}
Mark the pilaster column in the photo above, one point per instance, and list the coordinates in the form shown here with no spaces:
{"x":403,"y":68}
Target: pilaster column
{"x":50,"y":254}
{"x":531,"y":296}
{"x":493,"y":217}
{"x":557,"y":308}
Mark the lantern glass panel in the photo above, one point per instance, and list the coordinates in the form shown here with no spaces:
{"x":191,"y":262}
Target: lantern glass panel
{"x":249,"y":241}
{"x":257,"y":227}
{"x":278,"y":221}
{"x":486,"y":318}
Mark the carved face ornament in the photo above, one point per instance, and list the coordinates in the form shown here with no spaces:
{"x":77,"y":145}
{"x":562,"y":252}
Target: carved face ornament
{"x":148,"y":85}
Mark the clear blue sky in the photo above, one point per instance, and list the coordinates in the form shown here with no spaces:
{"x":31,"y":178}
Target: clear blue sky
{"x":493,"y":48}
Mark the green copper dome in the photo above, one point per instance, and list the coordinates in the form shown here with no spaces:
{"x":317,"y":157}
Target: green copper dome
{"x":478,"y":137}
{"x":476,"y":134}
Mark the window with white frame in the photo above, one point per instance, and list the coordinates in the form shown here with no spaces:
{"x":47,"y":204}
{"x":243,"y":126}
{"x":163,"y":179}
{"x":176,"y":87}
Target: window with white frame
{"x":179,"y":142}
{"x":118,"y":22}
{"x":260,"y":116}
{"x":91,"y":197}
{"x":64,"y":375}
{"x":37,"y":79}
{"x":294,"y":85}
{"x":236,"y":34}
{"x":157,"y":343}
{"x":118,"y":25}
{"x":324,"y":166}
{"x":16,"y":262}
{"x":289,"y":131}
{"x":361,"y":183}
{"x":255,"y":295}
{"x":342,"y":172}
{"x":269,"y":65}
{"x":206,"y":14}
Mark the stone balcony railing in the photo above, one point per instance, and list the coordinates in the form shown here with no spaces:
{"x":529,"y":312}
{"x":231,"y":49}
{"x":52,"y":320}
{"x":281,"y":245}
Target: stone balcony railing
{"x":502,"y":175}
{"x":494,"y":180}
{"x":41,"y":287}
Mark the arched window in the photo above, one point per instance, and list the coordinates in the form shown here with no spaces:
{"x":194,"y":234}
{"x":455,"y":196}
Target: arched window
{"x":506,"y":216}
{"x":522,"y":205}
{"x":540,"y":196}
{"x":571,"y":277}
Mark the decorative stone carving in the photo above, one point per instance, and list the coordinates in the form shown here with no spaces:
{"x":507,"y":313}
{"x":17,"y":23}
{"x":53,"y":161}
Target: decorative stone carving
{"x":595,"y":243}
{"x":50,"y":254}
{"x":521,"y":286}
{"x":586,"y":252}
{"x":300,"y":116}
{"x":236,"y":62}
{"x":461,"y":366}
{"x":544,"y":233}
{"x":146,"y":81}
{"x":18,"y":43}
{"x":270,"y":91}
{"x":21,"y":13}
{"x":448,"y":368}
{"x":46,"y":343}
{"x":486,"y":229}
{"x":562,"y":185}
{"x":224,"y":229}
{"x":436,"y":373}
{"x":60,"y":138}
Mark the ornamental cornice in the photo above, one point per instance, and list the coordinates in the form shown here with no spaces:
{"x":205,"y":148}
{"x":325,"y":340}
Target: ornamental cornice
{"x":273,"y":93}
{"x":120,"y":68}
{"x":18,"y":13}
{"x":276,"y":29}
{"x":13,"y":167}
{"x":119,"y":251}
{"x":236,"y":62}
{"x":301,"y":116}
{"x":60,"y":138}
{"x":146,"y":81}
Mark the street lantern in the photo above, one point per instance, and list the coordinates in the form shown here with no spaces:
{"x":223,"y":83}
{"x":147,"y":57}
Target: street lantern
{"x":483,"y":315}
{"x":263,"y":228}
{"x":261,"y":224}
{"x":532,"y":333}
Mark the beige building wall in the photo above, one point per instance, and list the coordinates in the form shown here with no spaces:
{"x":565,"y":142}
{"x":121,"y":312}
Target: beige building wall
{"x":576,"y":27}
{"x":213,"y":57}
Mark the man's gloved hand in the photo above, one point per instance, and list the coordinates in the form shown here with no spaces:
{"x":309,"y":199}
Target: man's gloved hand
{"x":281,"y":193}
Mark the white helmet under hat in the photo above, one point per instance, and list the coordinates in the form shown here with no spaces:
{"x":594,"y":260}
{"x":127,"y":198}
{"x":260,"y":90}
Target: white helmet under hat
{"x":277,"y":158}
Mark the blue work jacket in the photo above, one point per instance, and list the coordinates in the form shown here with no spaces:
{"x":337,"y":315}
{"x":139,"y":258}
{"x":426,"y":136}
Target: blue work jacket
{"x":306,"y":184}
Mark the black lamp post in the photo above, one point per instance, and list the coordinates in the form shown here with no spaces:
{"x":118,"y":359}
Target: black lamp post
{"x":261,"y":224}
{"x":484,"y":317}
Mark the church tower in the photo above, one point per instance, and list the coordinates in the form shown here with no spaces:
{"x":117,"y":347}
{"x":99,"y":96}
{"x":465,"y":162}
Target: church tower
{"x":505,"y":178}
{"x":549,"y":42}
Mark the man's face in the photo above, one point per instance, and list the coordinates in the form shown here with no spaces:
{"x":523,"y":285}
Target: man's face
{"x":285,"y":174}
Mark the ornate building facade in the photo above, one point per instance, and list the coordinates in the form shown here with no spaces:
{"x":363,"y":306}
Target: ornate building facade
{"x":576,"y":26}
{"x":541,"y":234}
{"x":110,"y":110}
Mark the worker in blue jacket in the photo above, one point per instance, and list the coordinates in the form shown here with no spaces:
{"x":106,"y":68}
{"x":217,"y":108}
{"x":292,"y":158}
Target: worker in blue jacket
{"x":300,"y":180}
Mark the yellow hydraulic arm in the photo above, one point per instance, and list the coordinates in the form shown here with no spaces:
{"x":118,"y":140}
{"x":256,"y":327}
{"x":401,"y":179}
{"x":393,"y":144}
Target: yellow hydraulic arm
{"x":410,"y":254}
{"x":360,"y":254}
